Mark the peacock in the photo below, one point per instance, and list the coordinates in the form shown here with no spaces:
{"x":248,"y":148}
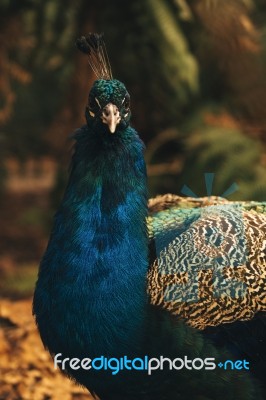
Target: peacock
{"x":165,"y":297}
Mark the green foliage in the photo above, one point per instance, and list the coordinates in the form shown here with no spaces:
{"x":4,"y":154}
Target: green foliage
{"x":33,"y":217}
{"x":151,"y":54}
{"x":230,"y":154}
{"x":19,"y":283}
{"x":171,"y":66}
{"x":50,"y":28}
{"x":181,"y":64}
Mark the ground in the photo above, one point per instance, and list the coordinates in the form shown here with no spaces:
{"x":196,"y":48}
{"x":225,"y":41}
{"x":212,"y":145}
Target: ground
{"x":26,"y":369}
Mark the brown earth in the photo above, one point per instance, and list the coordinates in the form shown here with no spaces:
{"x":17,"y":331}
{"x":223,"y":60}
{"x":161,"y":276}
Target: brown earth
{"x":26,"y":369}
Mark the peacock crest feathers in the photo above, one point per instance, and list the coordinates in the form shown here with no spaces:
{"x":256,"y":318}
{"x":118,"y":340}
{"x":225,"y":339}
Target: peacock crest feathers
{"x":93,"y":45}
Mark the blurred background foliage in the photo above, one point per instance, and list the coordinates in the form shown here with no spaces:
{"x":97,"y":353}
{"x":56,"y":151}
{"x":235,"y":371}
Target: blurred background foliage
{"x":195,"y":70}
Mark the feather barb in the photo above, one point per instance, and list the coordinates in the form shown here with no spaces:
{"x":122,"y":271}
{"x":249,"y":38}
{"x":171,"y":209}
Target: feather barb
{"x":93,"y":45}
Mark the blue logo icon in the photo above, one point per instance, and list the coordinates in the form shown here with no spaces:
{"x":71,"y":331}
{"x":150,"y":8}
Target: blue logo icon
{"x":209,"y":178}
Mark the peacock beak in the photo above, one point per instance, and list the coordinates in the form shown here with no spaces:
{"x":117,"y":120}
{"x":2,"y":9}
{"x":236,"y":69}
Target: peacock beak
{"x":111,"y":116}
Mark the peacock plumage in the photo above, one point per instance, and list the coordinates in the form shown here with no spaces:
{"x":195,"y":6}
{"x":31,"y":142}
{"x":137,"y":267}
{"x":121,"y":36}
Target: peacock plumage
{"x":178,"y":278}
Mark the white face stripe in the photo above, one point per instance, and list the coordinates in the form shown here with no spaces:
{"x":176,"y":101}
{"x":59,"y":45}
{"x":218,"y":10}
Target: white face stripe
{"x":98,"y":102}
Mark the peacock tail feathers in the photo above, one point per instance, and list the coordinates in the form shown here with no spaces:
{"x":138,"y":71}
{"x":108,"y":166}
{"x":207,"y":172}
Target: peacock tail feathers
{"x":208,"y":261}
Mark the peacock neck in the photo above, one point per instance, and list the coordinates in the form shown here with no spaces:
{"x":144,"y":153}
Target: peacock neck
{"x":103,"y":215}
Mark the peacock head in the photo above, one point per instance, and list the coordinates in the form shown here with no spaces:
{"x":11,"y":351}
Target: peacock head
{"x":108,"y":105}
{"x":109,"y":102}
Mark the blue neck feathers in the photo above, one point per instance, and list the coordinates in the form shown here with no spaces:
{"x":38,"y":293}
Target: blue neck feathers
{"x":96,"y":262}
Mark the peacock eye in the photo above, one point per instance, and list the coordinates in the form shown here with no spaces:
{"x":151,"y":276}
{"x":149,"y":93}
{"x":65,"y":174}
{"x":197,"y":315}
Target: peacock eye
{"x":126,"y":102}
